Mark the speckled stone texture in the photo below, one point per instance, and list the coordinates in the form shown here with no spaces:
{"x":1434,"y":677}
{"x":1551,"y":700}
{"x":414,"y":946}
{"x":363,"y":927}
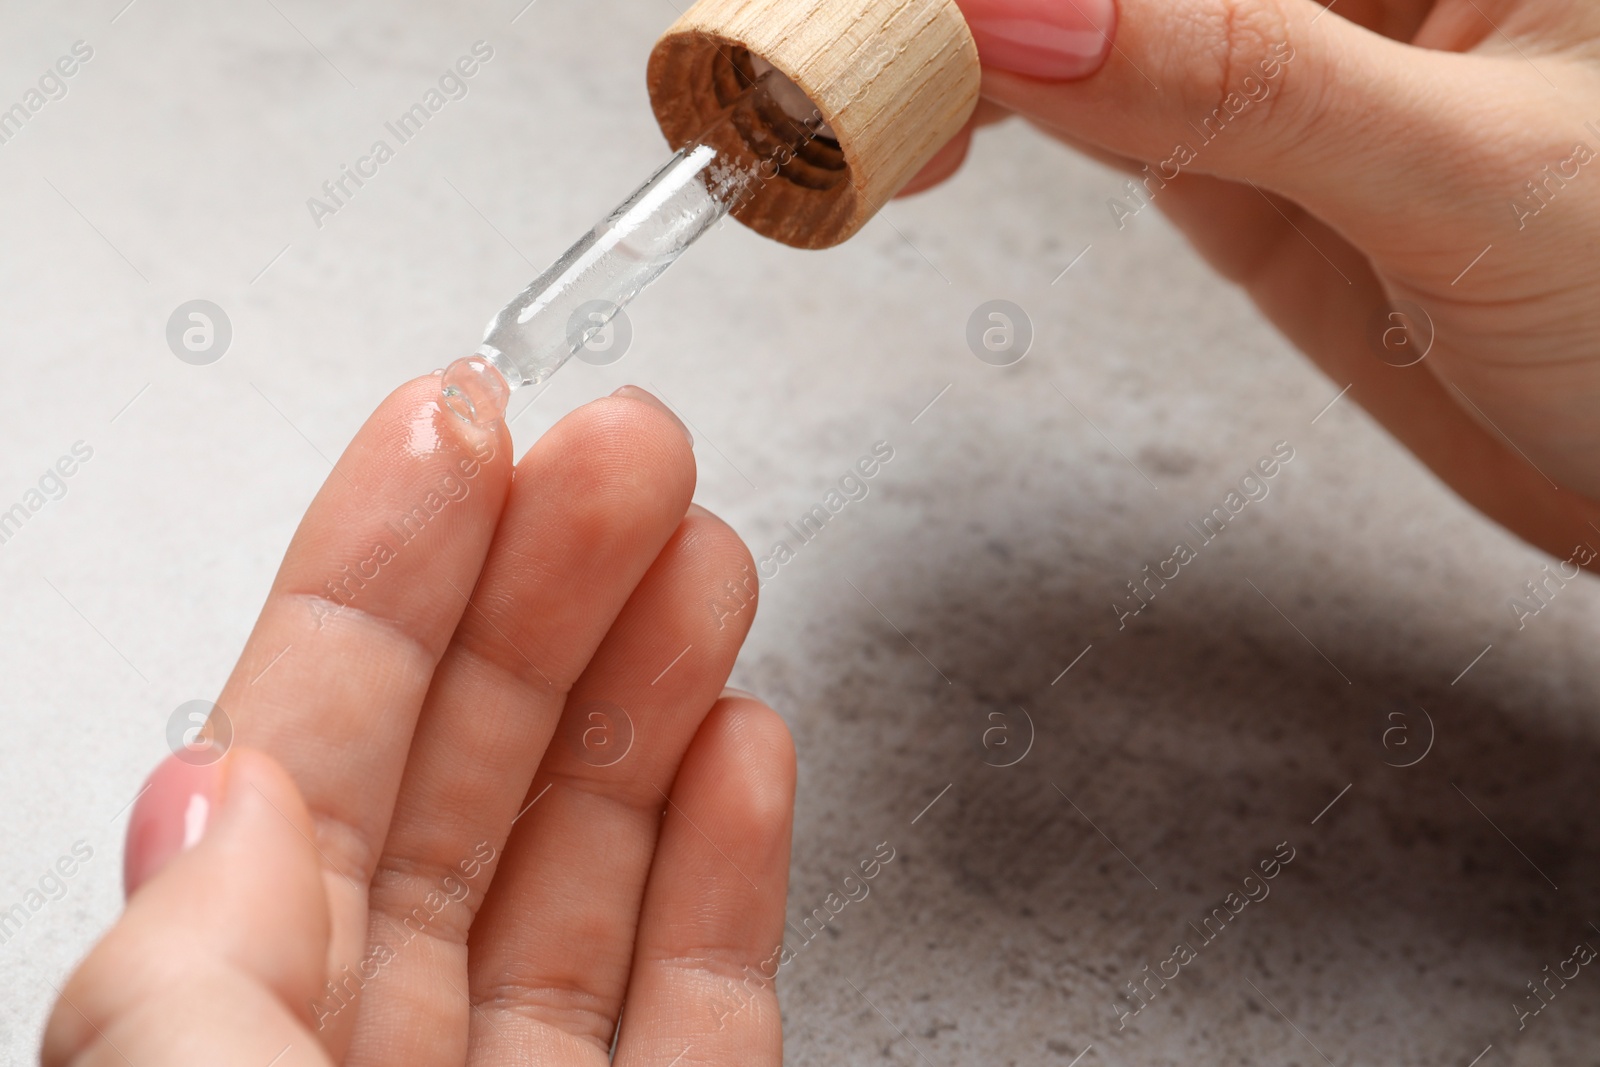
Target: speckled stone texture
{"x":916,"y":643}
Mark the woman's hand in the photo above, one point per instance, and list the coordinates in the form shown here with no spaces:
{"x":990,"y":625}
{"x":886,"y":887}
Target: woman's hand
{"x":1349,"y":166}
{"x":485,"y":785}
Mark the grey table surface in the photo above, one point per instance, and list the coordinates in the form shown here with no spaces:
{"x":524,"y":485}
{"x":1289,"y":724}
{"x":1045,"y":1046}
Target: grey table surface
{"x":913,"y":646}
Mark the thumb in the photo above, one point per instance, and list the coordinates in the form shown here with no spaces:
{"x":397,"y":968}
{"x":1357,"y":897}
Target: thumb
{"x":224,"y":942}
{"x":1360,"y":129}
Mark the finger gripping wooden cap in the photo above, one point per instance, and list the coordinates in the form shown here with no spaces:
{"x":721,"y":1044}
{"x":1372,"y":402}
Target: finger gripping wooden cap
{"x":894,"y":79}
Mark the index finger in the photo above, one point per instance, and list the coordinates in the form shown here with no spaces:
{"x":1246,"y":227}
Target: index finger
{"x":370,"y":591}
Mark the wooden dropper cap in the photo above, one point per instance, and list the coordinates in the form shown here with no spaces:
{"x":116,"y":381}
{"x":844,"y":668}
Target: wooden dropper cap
{"x":893,"y":79}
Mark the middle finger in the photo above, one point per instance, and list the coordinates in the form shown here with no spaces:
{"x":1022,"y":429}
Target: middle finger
{"x":552,"y":949}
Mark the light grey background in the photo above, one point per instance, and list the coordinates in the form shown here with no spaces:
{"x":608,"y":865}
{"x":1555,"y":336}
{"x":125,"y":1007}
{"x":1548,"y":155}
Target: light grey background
{"x":1218,"y":724}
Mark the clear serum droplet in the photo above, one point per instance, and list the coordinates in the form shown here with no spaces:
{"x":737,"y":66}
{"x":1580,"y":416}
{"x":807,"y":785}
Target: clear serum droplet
{"x":475,"y":391}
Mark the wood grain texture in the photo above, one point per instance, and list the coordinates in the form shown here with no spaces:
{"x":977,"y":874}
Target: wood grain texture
{"x":895,"y":79}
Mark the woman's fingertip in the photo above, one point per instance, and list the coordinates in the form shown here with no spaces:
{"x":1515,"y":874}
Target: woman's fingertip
{"x":731,"y":693}
{"x":941,"y":165}
{"x":176,"y":806}
{"x":1045,"y":39}
{"x":644,"y":396}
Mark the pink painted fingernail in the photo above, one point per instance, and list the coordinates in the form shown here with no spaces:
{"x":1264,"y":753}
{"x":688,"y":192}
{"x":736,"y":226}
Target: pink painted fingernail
{"x":1055,"y":40}
{"x":171,"y":814}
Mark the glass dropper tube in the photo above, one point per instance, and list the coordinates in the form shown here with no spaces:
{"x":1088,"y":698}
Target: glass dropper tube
{"x":566,"y":306}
